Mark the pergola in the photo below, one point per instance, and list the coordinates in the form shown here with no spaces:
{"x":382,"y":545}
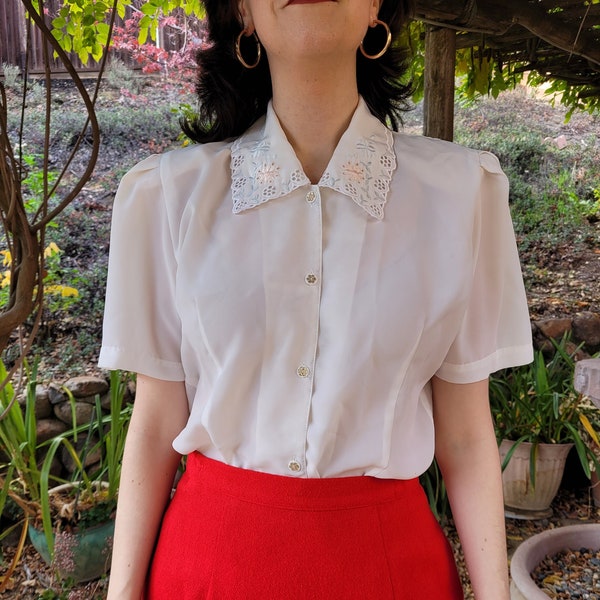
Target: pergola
{"x":560,"y":39}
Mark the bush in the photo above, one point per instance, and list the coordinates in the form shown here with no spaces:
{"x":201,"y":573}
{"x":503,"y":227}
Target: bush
{"x":552,"y":191}
{"x":11,"y":77}
{"x":119,"y":76}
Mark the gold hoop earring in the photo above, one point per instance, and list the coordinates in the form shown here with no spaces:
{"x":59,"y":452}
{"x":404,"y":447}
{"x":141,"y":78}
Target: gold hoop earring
{"x":387,"y":42}
{"x":238,"y":52}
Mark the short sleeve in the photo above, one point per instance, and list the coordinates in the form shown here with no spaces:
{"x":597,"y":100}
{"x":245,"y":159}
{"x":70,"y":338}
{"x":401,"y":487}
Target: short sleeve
{"x":495,"y":332}
{"x":142,"y":330}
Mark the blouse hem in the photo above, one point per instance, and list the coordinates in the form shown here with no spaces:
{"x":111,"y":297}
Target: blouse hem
{"x":116,"y":358}
{"x":480,"y":370}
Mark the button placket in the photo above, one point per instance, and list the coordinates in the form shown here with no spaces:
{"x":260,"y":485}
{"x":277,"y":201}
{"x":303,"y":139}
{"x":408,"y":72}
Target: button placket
{"x":312,"y":279}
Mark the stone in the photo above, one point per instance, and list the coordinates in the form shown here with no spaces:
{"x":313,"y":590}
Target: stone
{"x":88,"y":399}
{"x":586,"y":328}
{"x":86,"y":385}
{"x":42,"y":406}
{"x":560,"y":142}
{"x":89,"y":459}
{"x":554,"y":328}
{"x":83,"y":412}
{"x":56,"y":394}
{"x":49,"y":428}
{"x":105,"y":402}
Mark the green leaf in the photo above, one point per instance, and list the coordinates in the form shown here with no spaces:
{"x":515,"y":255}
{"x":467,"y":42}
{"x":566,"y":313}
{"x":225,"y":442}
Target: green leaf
{"x":88,"y":19}
{"x":59,"y":22}
{"x":147,"y":9}
{"x":143,"y":35}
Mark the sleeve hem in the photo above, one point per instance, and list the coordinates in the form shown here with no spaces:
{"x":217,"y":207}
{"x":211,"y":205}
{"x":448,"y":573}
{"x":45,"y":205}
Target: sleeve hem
{"x":112,"y":357}
{"x":481,"y":369}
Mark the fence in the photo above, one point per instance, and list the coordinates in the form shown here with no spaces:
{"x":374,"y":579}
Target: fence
{"x":15,"y":30}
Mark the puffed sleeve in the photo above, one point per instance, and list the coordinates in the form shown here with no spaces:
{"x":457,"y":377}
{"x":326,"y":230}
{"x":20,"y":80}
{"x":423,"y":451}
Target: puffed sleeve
{"x":495,"y":332}
{"x":142,"y":331}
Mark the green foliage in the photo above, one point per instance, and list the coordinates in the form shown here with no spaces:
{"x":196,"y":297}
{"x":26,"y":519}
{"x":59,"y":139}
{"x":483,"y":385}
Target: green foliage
{"x":435,"y":488}
{"x":11,"y":77}
{"x":118,"y":76}
{"x":574,"y":97}
{"x":537,"y":403}
{"x":81,"y":26}
{"x":552,"y":191}
{"x":34,"y":183}
{"x":26,"y":478}
{"x":480,"y":72}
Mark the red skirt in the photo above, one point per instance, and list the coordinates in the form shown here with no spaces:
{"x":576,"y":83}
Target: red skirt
{"x":234,"y":534}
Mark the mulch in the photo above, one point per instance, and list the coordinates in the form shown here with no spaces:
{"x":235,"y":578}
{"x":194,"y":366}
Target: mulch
{"x":32,"y":577}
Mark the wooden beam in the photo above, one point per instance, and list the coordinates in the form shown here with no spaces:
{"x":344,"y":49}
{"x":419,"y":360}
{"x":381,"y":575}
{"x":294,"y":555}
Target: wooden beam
{"x":438,"y":104}
{"x":559,"y":31}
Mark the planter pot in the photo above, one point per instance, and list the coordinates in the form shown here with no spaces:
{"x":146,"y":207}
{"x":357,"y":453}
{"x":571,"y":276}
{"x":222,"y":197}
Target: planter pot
{"x":532,"y":551}
{"x":80,"y":555}
{"x":521,"y":499}
{"x":595,"y":488}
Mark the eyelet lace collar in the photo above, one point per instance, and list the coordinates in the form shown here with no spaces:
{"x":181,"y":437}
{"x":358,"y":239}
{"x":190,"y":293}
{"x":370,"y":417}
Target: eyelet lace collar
{"x":264,"y":165}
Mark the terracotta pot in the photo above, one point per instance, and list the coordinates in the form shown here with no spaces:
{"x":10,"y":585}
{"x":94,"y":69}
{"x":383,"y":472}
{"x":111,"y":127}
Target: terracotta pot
{"x":532,"y":551}
{"x":595,"y":487}
{"x":521,"y":498}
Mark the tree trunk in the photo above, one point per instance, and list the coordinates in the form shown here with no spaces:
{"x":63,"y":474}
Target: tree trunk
{"x":440,"y":50}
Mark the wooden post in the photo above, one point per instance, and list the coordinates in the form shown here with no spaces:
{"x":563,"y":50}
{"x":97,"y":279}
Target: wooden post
{"x":438,"y":105}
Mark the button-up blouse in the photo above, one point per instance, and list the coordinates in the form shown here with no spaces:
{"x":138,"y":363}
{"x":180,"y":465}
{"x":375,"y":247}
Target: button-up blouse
{"x":308,"y":320}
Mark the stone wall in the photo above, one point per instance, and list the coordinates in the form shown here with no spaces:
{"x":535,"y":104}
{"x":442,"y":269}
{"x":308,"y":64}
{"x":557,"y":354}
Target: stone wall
{"x":584,"y":328}
{"x":54,"y":413}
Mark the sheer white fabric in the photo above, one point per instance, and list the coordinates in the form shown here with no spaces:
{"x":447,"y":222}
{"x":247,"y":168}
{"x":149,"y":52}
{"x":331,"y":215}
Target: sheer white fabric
{"x":307,"y":320}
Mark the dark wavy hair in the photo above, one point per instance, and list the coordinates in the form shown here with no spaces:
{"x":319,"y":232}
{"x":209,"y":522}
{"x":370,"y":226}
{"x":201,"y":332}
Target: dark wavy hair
{"x":232,"y":97}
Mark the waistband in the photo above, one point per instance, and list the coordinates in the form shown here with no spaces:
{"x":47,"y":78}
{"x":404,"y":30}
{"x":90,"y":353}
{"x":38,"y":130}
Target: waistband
{"x":300,"y":493}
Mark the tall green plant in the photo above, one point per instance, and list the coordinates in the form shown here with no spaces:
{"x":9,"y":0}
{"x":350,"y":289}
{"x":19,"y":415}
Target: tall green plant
{"x":112,"y":431}
{"x":27,"y":479}
{"x":537,"y":403}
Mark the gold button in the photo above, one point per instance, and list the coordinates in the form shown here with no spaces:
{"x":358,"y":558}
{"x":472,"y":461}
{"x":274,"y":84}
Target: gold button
{"x":294,"y":466}
{"x":311,"y":279}
{"x":311,"y":197}
{"x":303,"y":371}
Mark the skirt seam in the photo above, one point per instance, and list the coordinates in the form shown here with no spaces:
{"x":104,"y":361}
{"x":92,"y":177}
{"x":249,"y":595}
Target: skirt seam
{"x":385,"y":553}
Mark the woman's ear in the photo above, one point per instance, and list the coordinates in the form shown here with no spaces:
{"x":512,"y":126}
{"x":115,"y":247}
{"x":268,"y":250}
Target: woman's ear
{"x":246,"y":17}
{"x":374,"y":11}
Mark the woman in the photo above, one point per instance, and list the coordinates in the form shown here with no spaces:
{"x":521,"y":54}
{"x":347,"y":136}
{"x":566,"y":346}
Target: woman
{"x":313,"y":304}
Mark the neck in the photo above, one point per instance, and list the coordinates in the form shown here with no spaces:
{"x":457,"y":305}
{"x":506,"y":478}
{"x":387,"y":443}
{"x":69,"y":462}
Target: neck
{"x":314,"y":109}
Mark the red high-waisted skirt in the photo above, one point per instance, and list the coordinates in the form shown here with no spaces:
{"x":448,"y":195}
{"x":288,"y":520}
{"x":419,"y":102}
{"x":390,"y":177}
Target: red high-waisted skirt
{"x":235,"y":534}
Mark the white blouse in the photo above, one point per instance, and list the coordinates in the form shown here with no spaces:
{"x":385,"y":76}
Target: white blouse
{"x":307,"y":320}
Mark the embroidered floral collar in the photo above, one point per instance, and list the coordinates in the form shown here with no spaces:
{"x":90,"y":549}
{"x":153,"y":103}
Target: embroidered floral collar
{"x":264,"y":165}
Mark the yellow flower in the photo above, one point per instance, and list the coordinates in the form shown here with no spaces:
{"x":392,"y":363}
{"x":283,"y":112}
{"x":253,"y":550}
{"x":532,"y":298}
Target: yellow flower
{"x":7,"y":260}
{"x":63,"y":290}
{"x":51,"y":249}
{"x":5,"y":279}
